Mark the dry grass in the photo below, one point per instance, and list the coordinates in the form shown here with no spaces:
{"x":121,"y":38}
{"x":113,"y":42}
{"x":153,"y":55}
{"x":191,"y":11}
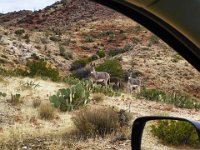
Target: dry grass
{"x":98,"y":97}
{"x":92,"y":122}
{"x":98,"y":121}
{"x":46,"y":111}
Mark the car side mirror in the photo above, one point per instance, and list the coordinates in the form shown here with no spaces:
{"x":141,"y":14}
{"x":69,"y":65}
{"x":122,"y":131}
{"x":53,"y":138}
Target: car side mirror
{"x":151,"y":131}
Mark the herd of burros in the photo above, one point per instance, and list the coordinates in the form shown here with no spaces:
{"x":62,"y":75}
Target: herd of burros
{"x":133,"y":83}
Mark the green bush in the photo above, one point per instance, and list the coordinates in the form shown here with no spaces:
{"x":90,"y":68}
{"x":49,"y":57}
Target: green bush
{"x":71,"y":80}
{"x":176,"y":132}
{"x":180,"y":100}
{"x":3,"y":94}
{"x":101,"y":53}
{"x":70,"y":98}
{"x":93,"y":58}
{"x":19,"y":32}
{"x":13,"y":72}
{"x":40,"y":68}
{"x":78,"y":64}
{"x":113,"y":67}
{"x":96,"y":122}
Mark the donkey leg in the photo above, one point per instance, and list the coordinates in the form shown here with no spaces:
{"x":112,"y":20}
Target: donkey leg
{"x":139,"y":89}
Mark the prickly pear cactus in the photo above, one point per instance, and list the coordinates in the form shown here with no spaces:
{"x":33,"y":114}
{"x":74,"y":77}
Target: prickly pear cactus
{"x":70,"y":98}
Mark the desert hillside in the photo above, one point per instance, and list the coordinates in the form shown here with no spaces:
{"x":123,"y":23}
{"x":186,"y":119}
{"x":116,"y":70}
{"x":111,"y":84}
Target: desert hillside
{"x":46,"y":88}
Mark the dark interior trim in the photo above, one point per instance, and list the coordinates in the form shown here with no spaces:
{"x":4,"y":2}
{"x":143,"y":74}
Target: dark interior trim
{"x":167,"y":33}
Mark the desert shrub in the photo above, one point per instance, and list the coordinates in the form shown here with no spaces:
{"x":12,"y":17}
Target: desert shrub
{"x":40,"y":68}
{"x":98,"y":88}
{"x":70,"y":98}
{"x":153,"y":94}
{"x":113,"y":67}
{"x":13,"y":72}
{"x":78,"y":64}
{"x":36,"y":102}
{"x":34,"y":56}
{"x":15,"y":99}
{"x":106,"y":33}
{"x":153,"y":40}
{"x":71,"y":80}
{"x":27,"y":41}
{"x":137,"y":29}
{"x":176,"y":58}
{"x":66,"y":54}
{"x":116,"y":51}
{"x":98,"y":97}
{"x":88,"y":39}
{"x":180,"y":100}
{"x":93,"y":58}
{"x":96,"y":122}
{"x":81,"y":73}
{"x":101,"y":53}
{"x":54,"y":38}
{"x":175,"y":132}
{"x":20,"y":32}
{"x":3,"y":94}
{"x":46,"y":111}
{"x":26,"y":36}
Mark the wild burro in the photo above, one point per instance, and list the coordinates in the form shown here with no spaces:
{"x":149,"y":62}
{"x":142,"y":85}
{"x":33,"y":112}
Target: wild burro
{"x":133,"y":84}
{"x":115,"y":82}
{"x":100,"y":76}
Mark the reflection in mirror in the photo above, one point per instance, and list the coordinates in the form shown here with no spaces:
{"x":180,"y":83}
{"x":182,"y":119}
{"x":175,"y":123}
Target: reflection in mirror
{"x":169,"y":135}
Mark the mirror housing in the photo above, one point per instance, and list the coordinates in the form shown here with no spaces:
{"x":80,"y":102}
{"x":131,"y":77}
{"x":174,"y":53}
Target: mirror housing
{"x":139,"y":124}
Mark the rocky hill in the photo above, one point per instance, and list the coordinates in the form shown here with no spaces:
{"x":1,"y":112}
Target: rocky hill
{"x":61,"y":14}
{"x":12,"y":18}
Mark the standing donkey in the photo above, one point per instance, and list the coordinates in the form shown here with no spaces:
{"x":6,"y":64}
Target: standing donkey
{"x":100,"y":76}
{"x":133,"y":84}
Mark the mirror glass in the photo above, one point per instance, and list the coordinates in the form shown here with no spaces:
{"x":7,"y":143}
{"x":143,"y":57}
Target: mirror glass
{"x":169,"y":135}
